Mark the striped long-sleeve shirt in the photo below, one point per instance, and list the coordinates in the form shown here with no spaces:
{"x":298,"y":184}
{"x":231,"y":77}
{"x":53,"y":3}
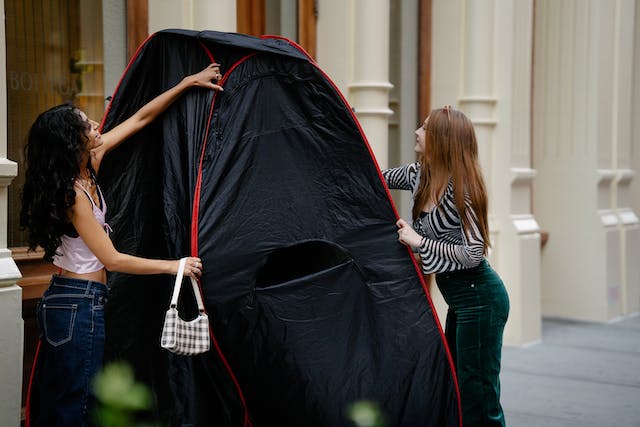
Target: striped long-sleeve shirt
{"x":445,"y":246}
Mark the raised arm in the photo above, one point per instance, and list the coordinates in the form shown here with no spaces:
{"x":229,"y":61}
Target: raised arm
{"x":402,"y":177}
{"x":98,"y":242}
{"x":153,"y":109}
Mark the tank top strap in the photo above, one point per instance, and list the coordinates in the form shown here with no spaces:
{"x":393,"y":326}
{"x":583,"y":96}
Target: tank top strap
{"x":85,"y":192}
{"x":93,"y":203}
{"x":103,"y":203}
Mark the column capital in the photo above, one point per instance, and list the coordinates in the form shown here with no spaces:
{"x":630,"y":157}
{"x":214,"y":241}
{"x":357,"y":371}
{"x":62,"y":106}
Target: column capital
{"x":9,"y":272}
{"x":522,"y":175}
{"x":370,"y":85}
{"x":8,"y":171}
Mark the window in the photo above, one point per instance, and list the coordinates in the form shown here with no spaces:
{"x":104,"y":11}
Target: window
{"x":54,"y":55}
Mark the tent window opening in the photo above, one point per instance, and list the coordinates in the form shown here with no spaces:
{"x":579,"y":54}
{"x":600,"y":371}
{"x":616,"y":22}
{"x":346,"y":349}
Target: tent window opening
{"x":300,"y":260}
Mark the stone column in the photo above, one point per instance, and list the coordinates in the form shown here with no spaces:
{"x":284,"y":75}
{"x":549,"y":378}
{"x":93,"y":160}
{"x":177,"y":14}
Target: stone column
{"x":518,"y":255}
{"x":482,"y":63}
{"x":219,"y":15}
{"x":353,"y":49}
{"x":369,"y":86}
{"x":498,"y":100}
{"x":625,"y":19}
{"x":583,"y":81}
{"x":11,"y":324}
{"x":214,"y":15}
{"x":633,"y":188}
{"x":334,"y":46}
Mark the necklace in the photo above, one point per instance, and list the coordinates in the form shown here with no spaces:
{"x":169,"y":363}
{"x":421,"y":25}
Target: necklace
{"x":89,"y":187}
{"x":88,"y":183}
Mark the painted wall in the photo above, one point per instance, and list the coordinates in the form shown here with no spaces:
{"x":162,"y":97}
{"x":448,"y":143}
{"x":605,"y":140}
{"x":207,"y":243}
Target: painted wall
{"x":584,"y":152}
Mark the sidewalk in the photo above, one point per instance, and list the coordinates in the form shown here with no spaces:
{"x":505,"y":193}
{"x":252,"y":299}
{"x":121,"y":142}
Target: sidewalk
{"x":581,"y":375}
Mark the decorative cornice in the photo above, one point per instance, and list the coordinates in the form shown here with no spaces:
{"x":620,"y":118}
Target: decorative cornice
{"x":525,"y":224}
{"x":519,"y":175}
{"x":372,"y":111}
{"x":9,"y":273}
{"x":628,"y":217}
{"x":478,"y":100}
{"x":606,"y":175}
{"x":8,"y":171}
{"x":370,"y":85}
{"x":608,"y":218}
{"x":624,"y":176}
{"x":484,"y":122}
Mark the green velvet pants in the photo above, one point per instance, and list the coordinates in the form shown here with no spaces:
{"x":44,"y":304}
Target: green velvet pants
{"x":478,"y":310}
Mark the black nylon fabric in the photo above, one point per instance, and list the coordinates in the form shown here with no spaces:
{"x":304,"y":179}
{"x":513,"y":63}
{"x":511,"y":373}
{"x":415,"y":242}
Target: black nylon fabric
{"x":313,"y":302}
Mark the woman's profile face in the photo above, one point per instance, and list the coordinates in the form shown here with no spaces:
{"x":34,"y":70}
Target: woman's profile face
{"x":420,"y":138}
{"x":92,"y":133}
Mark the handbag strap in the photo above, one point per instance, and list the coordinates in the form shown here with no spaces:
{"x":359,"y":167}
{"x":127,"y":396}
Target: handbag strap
{"x":178,"y":285}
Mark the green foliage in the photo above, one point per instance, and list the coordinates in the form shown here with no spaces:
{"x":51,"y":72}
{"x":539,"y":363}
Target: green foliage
{"x":120,"y":397}
{"x":365,"y":413}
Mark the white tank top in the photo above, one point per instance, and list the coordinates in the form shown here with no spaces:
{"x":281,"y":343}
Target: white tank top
{"x":73,"y":254}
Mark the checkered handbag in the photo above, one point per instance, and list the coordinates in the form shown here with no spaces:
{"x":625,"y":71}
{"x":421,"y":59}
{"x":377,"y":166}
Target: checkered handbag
{"x":180,"y":336}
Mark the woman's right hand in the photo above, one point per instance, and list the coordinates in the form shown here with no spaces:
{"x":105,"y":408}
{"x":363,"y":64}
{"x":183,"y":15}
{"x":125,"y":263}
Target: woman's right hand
{"x":407,"y":235}
{"x":206,"y":77}
{"x":192,"y":267}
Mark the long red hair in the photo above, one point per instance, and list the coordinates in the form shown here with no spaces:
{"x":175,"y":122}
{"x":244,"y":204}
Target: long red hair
{"x":451,"y":152}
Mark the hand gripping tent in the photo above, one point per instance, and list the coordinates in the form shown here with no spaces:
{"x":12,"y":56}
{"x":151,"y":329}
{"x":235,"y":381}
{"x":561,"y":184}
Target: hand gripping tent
{"x":313,"y":303}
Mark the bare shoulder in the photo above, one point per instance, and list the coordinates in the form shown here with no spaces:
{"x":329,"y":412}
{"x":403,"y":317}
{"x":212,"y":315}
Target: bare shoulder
{"x":82,"y":204}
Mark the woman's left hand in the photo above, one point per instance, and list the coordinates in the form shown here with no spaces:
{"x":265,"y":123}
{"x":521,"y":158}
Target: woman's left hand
{"x":407,"y":235}
{"x":192,"y":267}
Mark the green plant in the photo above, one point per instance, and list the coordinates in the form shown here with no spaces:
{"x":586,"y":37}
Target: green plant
{"x":120,"y":397}
{"x":365,"y":413}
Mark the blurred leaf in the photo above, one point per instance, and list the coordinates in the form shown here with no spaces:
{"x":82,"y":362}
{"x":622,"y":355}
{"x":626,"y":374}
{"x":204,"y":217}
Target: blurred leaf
{"x":120,"y":398}
{"x":108,"y":417}
{"x":365,"y":413}
{"x":115,"y":386}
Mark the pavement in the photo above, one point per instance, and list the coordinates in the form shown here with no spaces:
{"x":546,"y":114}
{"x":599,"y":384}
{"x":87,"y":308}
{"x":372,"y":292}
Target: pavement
{"x":580,"y":374}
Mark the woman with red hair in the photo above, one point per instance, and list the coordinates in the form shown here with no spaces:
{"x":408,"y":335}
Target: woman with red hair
{"x":451,"y":234}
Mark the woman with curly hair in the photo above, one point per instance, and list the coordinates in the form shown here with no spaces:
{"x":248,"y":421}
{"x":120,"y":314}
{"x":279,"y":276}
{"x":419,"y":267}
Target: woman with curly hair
{"x":63,"y":210}
{"x":451,"y":234}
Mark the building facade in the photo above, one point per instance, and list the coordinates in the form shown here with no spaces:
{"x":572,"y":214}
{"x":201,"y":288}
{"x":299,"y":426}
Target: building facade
{"x":552,"y":87}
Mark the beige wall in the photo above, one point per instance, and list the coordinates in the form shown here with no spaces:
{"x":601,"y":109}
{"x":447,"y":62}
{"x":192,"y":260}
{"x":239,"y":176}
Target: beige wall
{"x":584,"y":150}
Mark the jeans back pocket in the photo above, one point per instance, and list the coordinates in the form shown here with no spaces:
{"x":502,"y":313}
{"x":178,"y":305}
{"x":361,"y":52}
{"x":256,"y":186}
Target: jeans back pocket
{"x":58,"y":322}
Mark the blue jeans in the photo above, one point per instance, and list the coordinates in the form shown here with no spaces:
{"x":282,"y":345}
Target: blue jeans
{"x":478,"y":310}
{"x":71,"y":320}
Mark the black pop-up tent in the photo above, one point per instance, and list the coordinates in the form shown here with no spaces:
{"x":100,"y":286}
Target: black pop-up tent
{"x":313,"y":302}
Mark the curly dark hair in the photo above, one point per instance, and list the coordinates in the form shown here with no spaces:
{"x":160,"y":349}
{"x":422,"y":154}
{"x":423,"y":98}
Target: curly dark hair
{"x":54,"y":150}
